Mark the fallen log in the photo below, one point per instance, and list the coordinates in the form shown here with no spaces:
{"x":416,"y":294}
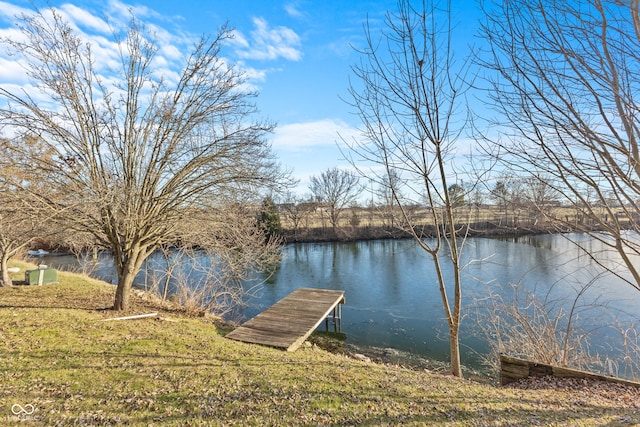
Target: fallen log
{"x":137,"y":316}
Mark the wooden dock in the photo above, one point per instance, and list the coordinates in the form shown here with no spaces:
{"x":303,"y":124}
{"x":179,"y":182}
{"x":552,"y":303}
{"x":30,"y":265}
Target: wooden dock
{"x":290,"y":321}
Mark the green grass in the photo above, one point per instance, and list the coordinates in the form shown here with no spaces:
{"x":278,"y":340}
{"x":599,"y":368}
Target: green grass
{"x":58,"y":355}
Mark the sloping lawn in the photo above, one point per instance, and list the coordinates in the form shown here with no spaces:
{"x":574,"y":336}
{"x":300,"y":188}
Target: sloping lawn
{"x":60,"y":364}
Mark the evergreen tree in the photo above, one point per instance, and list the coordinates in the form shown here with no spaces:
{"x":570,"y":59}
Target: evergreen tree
{"x":269,"y":219}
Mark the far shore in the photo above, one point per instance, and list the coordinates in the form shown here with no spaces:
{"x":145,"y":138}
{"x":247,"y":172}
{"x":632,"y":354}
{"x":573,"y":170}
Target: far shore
{"x":354,"y":234}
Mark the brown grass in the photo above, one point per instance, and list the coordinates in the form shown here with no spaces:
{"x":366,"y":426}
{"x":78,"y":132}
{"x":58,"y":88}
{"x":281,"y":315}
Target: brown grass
{"x":58,"y":356}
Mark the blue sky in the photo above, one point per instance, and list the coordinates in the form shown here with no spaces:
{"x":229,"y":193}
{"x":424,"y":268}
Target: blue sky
{"x":297,"y":53}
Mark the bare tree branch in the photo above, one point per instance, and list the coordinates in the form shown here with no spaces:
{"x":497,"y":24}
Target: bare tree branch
{"x":336,"y":189}
{"x":566,"y":80}
{"x":137,"y":154}
{"x":409,"y":94}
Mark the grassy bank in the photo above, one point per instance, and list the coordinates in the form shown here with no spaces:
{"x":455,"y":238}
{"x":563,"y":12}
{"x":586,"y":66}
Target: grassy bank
{"x":59,"y":356}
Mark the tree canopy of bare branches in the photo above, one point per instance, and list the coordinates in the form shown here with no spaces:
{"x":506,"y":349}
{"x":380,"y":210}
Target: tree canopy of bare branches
{"x":566,"y":83}
{"x":24,"y":199}
{"x":409,"y":94}
{"x":336,"y":188}
{"x":133,"y":148}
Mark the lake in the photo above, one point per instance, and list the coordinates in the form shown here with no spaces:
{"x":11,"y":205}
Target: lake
{"x":393,"y":302}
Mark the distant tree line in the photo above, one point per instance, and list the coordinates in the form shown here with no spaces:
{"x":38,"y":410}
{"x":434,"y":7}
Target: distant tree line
{"x":339,"y":207}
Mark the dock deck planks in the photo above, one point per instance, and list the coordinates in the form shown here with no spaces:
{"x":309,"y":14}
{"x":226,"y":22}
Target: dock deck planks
{"x":290,"y":321}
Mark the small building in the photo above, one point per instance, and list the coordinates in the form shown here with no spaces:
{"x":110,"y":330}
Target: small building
{"x":41,"y":276}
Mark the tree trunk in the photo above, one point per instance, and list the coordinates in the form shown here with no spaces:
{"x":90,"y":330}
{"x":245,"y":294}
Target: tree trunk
{"x":454,"y":349}
{"x":126,"y":274}
{"x":454,"y":324}
{"x":123,"y":290}
{"x":4,"y":267}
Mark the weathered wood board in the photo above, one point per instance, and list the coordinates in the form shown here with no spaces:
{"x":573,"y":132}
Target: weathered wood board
{"x":290,"y":321}
{"x":512,"y":369}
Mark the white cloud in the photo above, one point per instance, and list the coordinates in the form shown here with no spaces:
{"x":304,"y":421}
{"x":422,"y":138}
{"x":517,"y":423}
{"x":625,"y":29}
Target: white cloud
{"x":84,"y":19}
{"x":312,"y":147}
{"x":39,"y":96}
{"x":10,"y":11}
{"x":292,"y":10}
{"x":170,"y":51}
{"x":239,"y":40}
{"x":254,"y":74}
{"x":97,"y":28}
{"x":268,"y":43}
{"x":12,"y":72}
{"x":104,"y":52}
{"x":299,"y":136}
{"x":344,"y":46}
{"x":124,"y":12}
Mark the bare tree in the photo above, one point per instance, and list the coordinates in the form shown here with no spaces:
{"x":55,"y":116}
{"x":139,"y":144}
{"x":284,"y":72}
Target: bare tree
{"x":539,"y":198}
{"x":20,"y":225}
{"x":296,"y":210}
{"x":408,"y":94}
{"x":506,"y":193}
{"x":336,"y":189}
{"x":522,"y":324}
{"x":24,"y":218}
{"x":139,"y":146}
{"x":224,"y":262}
{"x":386,"y":196}
{"x":567,"y":75}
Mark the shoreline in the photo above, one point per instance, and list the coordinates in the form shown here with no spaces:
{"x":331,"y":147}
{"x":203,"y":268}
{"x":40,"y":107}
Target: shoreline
{"x":326,"y":235}
{"x":355,"y":234}
{"x":390,"y":356}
